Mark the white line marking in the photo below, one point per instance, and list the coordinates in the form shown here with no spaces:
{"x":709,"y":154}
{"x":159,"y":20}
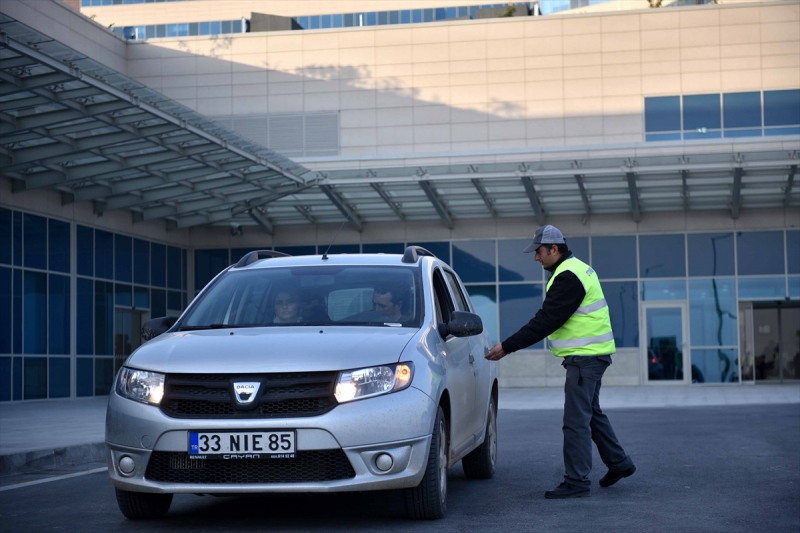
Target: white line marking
{"x":56,"y":478}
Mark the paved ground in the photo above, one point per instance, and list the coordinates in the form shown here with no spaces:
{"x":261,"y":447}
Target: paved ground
{"x":700,"y":469}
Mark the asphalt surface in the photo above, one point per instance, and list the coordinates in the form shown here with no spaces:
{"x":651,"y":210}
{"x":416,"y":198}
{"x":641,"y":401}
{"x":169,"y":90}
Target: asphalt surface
{"x":715,"y":469}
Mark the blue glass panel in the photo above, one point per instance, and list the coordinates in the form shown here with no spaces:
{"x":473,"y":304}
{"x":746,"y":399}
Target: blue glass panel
{"x":384,"y":248}
{"x":173,"y":267}
{"x":518,"y":304}
{"x":715,"y":366}
{"x":662,"y":256}
{"x":742,"y":133}
{"x":194,"y":28}
{"x":35,"y":241}
{"x":655,"y":137}
{"x":759,"y":252}
{"x":123,"y":295}
{"x":698,"y":136}
{"x":440,"y":13}
{"x":141,"y":297}
{"x":5,"y":379}
{"x":84,"y":376}
{"x":150,"y":31}
{"x":84,"y":319}
{"x":35,"y":378}
{"x":325,"y":21}
{"x":141,"y":261}
{"x":712,"y":312}
{"x":416,"y":15}
{"x":16,"y":218}
{"x":439,"y":249}
{"x":782,"y":108}
{"x":172,"y":30}
{"x":123,"y":258}
{"x":174,"y":300}
{"x":58,"y":314}
{"x":183,"y":29}
{"x":16,"y":311}
{"x":710,"y":254}
{"x":350,"y":20}
{"x":371,"y":19}
{"x":35,"y":319}
{"x":103,"y":254}
{"x":666,"y":289}
{"x":394,"y":17}
{"x":205,"y":28}
{"x":794,"y":287}
{"x":158,"y":265}
{"x":474,"y":260}
{"x":451,"y":13}
{"x":215,"y":28}
{"x":427,"y":15}
{"x":209,"y":263}
{"x":85,"y":244}
{"x":701,"y":111}
{"x":662,"y":113}
{"x":16,"y":379}
{"x":103,"y":375}
{"x":742,"y":110}
{"x":58,"y":245}
{"x":59,"y":377}
{"x":239,"y":253}
{"x":463,"y":11}
{"x":6,"y":234}
{"x":383,"y":18}
{"x":772,"y":288}
{"x":343,"y":249}
{"x":291,"y":250}
{"x":515,"y":265}
{"x":473,"y":12}
{"x":313,"y":22}
{"x":579,"y":246}
{"x":484,"y":300}
{"x":793,"y":251}
{"x":103,"y":318}
{"x":338,"y":21}
{"x":184,"y":269}
{"x":614,"y":257}
{"x":158,"y":304}
{"x":769,"y":132}
{"x":236,"y":26}
{"x":5,"y":310}
{"x":623,"y":308}
{"x":405,"y":17}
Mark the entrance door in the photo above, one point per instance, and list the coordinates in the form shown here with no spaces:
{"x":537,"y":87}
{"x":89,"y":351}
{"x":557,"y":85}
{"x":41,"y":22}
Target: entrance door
{"x":127,"y":334}
{"x":775,"y":340}
{"x":665,"y":334}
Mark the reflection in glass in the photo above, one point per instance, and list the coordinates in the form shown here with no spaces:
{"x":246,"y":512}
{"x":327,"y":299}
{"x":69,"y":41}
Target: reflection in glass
{"x":84,"y":374}
{"x":742,"y":110}
{"x":790,"y":342}
{"x":515,"y":265}
{"x":484,"y":299}
{"x":762,"y":288}
{"x":663,"y":290}
{"x":662,"y":113}
{"x":35,"y":241}
{"x":793,"y":251}
{"x":767,"y":341}
{"x":59,"y":377}
{"x":664,"y":343}
{"x":474,"y":260}
{"x":58,"y":314}
{"x":662,"y":256}
{"x":623,"y":307}
{"x":614,"y":257}
{"x":710,"y":254}
{"x":794,"y":287}
{"x":715,"y":366}
{"x":760,"y":252}
{"x":782,"y":108}
{"x":579,"y":246}
{"x":103,"y":254}
{"x":35,"y":312}
{"x":712,"y":312}
{"x":518,"y":304}
{"x":35,"y":378}
{"x":439,"y":249}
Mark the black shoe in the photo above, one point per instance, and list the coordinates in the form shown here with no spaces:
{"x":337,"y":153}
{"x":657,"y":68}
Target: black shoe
{"x":565,"y":490}
{"x":612,"y":477}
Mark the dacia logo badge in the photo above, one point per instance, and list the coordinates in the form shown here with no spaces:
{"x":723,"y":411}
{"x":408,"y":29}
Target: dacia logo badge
{"x":246,"y":391}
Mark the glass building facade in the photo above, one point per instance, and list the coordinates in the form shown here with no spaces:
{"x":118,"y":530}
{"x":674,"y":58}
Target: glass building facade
{"x":72,"y":299}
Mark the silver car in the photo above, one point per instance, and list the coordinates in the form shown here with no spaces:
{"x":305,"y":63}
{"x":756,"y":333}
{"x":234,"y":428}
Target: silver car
{"x":308,"y":374}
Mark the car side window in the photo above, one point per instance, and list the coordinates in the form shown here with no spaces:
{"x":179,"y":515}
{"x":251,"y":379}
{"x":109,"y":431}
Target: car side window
{"x":455,"y":287}
{"x":444,"y":306}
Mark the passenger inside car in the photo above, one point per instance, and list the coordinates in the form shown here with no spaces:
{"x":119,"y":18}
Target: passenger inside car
{"x":285,"y":305}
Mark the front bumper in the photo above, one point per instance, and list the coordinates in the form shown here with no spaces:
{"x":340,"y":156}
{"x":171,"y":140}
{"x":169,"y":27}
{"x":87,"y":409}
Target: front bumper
{"x":398,"y":424}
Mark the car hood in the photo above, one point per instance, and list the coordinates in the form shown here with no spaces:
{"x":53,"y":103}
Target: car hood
{"x":271,"y":349}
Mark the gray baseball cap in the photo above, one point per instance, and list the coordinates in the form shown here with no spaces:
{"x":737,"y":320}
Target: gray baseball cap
{"x":545,"y":235}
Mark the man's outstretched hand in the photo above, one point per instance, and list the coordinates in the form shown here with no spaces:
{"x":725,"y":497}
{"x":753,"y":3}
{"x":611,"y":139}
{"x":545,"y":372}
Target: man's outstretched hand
{"x":496,"y":352}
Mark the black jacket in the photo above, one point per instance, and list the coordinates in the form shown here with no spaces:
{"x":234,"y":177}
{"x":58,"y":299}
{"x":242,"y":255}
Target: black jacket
{"x":564,"y":297}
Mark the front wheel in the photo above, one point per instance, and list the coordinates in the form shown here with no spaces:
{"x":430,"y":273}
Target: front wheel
{"x":428,"y":500}
{"x":480,"y":462}
{"x":143,"y":505}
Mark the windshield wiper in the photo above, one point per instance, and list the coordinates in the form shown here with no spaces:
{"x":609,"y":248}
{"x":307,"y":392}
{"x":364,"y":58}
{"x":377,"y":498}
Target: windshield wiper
{"x":215,"y":326}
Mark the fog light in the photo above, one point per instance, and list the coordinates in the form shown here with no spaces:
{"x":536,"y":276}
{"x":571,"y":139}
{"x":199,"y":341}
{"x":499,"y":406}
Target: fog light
{"x":126,"y":464}
{"x":383,"y":462}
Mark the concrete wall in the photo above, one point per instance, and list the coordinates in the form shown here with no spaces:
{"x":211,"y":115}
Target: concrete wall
{"x":484,"y":84}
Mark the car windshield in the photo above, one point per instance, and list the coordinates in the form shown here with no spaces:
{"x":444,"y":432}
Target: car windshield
{"x":385,"y":296}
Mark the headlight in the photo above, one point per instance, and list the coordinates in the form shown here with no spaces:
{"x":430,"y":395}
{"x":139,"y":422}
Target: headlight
{"x":372,"y":381}
{"x":145,"y":387}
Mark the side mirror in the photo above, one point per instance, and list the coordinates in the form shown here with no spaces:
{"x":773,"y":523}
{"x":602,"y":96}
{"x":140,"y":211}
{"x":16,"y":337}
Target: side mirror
{"x":156,"y":326}
{"x":462,"y":324}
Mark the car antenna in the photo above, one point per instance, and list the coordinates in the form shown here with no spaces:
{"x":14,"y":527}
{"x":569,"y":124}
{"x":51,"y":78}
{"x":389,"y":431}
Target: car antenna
{"x":325,"y":255}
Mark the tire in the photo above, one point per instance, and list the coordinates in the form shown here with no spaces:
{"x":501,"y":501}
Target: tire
{"x":428,"y":500}
{"x":480,"y":462}
{"x":143,"y":505}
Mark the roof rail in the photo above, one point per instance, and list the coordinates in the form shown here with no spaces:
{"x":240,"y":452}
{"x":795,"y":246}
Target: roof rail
{"x":413,"y":254}
{"x":252,"y":257}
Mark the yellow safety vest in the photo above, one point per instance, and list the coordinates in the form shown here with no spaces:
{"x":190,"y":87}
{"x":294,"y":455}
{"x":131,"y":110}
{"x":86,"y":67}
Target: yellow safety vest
{"x":588,"y":330}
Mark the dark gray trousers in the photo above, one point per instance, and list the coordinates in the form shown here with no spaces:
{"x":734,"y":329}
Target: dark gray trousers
{"x":584,"y":422}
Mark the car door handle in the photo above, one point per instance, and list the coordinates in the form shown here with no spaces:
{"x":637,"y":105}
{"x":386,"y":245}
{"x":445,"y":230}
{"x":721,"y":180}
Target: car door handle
{"x":471,"y":358}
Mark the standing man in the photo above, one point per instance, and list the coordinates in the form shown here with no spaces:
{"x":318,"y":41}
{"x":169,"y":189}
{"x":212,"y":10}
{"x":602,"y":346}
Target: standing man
{"x":574,"y":318}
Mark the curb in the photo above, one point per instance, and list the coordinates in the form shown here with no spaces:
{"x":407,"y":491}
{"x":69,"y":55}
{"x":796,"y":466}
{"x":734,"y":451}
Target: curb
{"x":17,"y":463}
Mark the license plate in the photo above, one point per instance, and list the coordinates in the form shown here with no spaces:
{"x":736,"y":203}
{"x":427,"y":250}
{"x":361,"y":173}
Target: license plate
{"x":242,"y":445}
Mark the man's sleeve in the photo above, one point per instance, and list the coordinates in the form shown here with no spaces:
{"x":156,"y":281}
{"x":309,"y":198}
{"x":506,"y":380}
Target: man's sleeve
{"x":563,"y":299}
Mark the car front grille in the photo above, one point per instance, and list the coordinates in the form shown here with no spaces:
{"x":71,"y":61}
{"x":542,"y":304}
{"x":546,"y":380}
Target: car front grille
{"x":296,"y":394}
{"x":308,"y":466}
